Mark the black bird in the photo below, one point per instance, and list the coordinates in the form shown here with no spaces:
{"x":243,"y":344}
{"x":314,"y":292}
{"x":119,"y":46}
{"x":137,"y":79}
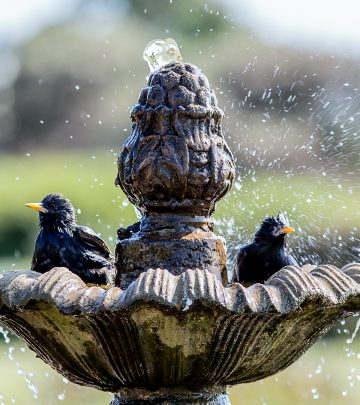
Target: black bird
{"x":267,"y":254}
{"x":61,"y":242}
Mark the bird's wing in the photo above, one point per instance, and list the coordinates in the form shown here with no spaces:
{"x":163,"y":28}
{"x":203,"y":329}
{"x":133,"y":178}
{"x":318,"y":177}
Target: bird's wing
{"x":39,"y":248}
{"x":92,"y":239}
{"x":34,"y":262}
{"x":239,"y":263}
{"x":45,"y":255}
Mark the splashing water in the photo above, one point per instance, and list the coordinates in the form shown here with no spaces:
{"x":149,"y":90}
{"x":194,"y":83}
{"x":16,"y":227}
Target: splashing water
{"x":357,"y":327}
{"x":5,"y":333}
{"x":160,"y":52}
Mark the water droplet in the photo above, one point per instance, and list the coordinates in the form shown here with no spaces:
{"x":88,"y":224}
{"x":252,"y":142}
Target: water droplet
{"x":10,"y":352}
{"x":160,"y":52}
{"x":357,"y":327}
{"x":5,"y":333}
{"x":315,"y":393}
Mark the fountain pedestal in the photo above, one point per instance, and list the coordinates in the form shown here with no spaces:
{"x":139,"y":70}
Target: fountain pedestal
{"x":174,"y":242}
{"x":182,"y":397}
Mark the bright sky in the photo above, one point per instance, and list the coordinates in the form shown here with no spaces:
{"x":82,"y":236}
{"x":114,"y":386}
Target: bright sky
{"x":20,"y":19}
{"x":330,"y":25}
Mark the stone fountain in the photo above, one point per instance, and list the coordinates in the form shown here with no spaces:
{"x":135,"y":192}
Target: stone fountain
{"x":173,"y":330}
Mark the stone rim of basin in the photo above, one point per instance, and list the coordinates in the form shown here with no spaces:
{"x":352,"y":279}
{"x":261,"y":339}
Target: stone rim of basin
{"x":214,"y":336}
{"x":284,"y":292}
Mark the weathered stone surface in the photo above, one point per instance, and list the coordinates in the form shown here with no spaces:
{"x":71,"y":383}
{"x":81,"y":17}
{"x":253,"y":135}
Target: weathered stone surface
{"x":172,"y":242}
{"x":169,"y":331}
{"x":172,"y":397}
{"x":176,"y":165}
{"x":176,"y":159}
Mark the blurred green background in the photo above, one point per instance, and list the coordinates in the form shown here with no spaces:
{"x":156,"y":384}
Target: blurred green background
{"x":288,"y":83}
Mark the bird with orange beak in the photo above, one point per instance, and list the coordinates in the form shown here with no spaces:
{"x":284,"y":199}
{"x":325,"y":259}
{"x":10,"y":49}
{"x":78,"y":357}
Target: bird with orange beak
{"x":63,"y":243}
{"x":267,"y":254}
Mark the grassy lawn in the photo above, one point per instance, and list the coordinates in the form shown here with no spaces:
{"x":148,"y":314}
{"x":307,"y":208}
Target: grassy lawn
{"x":318,"y":206}
{"x":327,"y":374}
{"x":87,"y":179}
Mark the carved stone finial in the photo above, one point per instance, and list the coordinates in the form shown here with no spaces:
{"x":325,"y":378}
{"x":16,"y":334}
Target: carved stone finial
{"x":174,"y":167}
{"x":176,"y":159}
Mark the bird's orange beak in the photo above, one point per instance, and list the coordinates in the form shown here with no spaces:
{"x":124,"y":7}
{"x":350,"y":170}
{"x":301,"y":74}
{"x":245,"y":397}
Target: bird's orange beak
{"x":287,"y":229}
{"x":36,"y":207}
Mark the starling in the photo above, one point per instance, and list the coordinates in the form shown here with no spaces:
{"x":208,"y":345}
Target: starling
{"x":267,"y":254}
{"x":63,"y":243}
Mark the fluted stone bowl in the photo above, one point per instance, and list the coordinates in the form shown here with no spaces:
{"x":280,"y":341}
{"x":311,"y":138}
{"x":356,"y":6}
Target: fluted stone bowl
{"x":167,"y":331}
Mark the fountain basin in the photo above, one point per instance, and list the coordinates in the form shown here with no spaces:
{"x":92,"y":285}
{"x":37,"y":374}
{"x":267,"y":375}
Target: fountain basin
{"x":167,"y":333}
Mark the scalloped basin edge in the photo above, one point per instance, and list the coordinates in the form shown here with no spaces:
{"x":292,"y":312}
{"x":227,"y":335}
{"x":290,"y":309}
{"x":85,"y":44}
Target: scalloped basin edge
{"x":175,"y":331}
